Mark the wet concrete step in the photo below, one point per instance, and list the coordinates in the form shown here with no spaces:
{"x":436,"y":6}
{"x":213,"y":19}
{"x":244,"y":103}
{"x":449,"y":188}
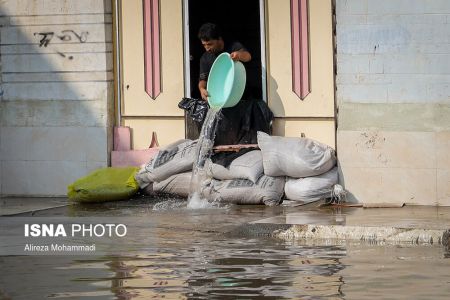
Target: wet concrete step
{"x":14,"y":205}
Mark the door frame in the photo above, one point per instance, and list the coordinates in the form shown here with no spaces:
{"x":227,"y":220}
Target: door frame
{"x":187,"y":54}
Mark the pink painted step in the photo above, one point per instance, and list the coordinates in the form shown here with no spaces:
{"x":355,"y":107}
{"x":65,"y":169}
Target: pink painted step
{"x":124,"y":156}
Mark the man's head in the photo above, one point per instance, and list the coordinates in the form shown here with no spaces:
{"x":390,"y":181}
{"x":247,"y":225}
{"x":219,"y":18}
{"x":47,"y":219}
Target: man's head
{"x":211,"y":37}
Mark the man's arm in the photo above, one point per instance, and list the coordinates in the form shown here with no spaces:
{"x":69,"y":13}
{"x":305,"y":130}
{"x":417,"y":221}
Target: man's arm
{"x":241,"y":55}
{"x":202,"y":89}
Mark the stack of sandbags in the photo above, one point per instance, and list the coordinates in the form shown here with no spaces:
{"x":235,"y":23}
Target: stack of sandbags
{"x":243,"y":182}
{"x":308,"y":165}
{"x":169,"y":171}
{"x":302,"y":169}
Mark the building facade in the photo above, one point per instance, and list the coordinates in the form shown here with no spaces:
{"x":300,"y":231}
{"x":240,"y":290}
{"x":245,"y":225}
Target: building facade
{"x":369,"y":78}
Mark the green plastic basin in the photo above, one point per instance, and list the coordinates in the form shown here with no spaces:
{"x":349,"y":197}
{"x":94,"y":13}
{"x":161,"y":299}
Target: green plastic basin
{"x":226,"y":82}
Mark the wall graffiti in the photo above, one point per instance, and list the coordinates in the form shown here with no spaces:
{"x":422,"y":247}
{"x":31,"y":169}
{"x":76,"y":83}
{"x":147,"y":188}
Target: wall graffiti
{"x":68,"y":35}
{"x":63,"y":55}
{"x":65,"y":36}
{"x":46,"y":37}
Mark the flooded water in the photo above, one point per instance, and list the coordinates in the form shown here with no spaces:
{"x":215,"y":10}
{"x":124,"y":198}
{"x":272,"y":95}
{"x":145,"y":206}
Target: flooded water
{"x":188,"y":254}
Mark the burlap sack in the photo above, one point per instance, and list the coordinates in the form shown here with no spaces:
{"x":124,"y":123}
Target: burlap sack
{"x":311,"y":188}
{"x":248,"y":166}
{"x":267,"y":190}
{"x":177,"y":184}
{"x":294,"y":157}
{"x":173,"y":159}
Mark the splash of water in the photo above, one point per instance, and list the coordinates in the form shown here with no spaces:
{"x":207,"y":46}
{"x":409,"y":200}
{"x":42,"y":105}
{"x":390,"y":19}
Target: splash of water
{"x":169,"y":204}
{"x":202,"y":160}
{"x":197,"y":202}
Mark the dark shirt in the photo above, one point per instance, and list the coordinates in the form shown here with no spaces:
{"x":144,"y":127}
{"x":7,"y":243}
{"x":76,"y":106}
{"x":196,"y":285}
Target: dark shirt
{"x":208,"y":58}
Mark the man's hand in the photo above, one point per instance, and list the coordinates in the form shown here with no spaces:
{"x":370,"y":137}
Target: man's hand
{"x":235,"y":55}
{"x":202,"y":88}
{"x":204,"y":94}
{"x":241,"y":55}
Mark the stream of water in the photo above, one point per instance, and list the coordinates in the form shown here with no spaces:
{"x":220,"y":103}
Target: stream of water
{"x":202,"y":160}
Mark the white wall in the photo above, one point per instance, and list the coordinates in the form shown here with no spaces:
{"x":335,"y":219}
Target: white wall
{"x":56,"y":98}
{"x":393,"y":51}
{"x":393,"y":97}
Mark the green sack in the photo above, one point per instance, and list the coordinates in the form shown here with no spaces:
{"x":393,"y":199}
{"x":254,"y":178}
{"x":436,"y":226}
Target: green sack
{"x":107,"y":184}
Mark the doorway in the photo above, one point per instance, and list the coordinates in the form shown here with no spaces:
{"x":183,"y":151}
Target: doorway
{"x":239,"y":21}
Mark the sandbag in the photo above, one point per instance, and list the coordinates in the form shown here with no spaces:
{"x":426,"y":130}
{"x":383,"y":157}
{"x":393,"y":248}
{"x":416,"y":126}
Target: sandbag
{"x":311,"y":188}
{"x":173,"y":159}
{"x":267,"y":190}
{"x":294,"y":157}
{"x":248,"y":166}
{"x":142,"y":179}
{"x":147,"y":190}
{"x":107,"y":184}
{"x":178,"y":184}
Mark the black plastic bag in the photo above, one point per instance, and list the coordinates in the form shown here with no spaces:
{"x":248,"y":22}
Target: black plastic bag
{"x":195,"y":108}
{"x":240,"y":124}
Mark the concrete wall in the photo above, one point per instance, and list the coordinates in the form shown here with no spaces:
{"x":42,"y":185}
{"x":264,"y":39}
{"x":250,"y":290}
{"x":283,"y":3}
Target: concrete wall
{"x":393,"y":97}
{"x":56,"y":93}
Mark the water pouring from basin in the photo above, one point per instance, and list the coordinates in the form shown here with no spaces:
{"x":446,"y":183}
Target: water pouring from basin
{"x":226,"y":84}
{"x":202,"y":159}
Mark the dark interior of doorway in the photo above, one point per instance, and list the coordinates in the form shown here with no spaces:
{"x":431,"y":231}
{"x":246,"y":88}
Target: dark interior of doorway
{"x":239,"y":21}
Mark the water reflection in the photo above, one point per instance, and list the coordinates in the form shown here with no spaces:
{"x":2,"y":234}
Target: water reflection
{"x":183,"y":254}
{"x":396,"y":272}
{"x":244,"y":269}
{"x":215,"y":268}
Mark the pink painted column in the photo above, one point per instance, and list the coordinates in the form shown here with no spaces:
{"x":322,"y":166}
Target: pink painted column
{"x":152,"y":55}
{"x":300,"y":48}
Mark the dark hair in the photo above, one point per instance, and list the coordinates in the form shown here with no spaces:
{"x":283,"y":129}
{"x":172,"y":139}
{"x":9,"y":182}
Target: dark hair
{"x":209,"y":31}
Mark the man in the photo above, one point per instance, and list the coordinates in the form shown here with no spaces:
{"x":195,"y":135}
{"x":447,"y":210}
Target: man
{"x":238,"y":124}
{"x":214,"y":44}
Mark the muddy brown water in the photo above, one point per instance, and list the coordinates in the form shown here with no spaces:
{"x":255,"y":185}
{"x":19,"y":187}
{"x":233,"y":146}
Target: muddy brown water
{"x":187,"y":254}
